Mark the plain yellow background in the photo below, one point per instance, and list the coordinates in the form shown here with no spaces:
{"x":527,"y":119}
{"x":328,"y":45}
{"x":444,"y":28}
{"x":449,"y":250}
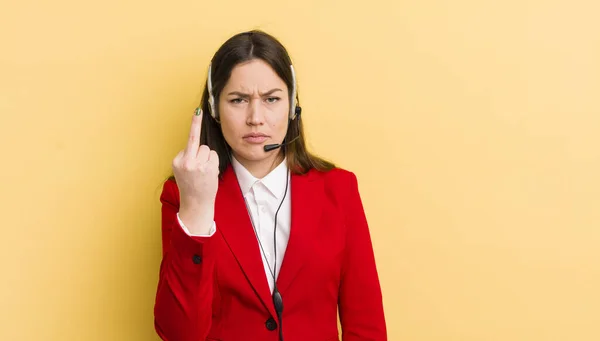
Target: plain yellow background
{"x":473,"y":127}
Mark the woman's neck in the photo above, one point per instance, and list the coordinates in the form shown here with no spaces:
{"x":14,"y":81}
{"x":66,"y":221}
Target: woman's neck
{"x":260,"y":169}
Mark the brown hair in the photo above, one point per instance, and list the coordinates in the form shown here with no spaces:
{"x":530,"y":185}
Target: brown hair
{"x":240,"y":48}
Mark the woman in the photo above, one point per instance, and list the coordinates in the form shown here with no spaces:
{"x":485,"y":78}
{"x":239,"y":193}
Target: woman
{"x":261,"y":239}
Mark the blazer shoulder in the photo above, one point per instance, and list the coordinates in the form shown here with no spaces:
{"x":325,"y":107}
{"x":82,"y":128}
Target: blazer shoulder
{"x":340,"y":187}
{"x":339,"y":174}
{"x":339,"y":180}
{"x":170,"y":193}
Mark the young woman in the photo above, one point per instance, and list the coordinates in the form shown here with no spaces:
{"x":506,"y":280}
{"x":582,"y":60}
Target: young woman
{"x":261,"y":239}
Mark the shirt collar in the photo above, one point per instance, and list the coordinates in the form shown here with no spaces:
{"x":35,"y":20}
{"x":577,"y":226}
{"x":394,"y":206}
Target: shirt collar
{"x":275,"y":181}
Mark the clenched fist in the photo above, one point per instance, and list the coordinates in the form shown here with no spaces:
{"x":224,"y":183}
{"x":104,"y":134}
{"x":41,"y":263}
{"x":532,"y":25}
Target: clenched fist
{"x":196,"y":170}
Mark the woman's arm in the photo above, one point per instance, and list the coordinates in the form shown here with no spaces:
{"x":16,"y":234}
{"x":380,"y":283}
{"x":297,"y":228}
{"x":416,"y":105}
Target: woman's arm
{"x":360,"y":304}
{"x":183,"y":306}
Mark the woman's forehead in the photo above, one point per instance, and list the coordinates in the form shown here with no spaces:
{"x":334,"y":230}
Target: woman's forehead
{"x":254,"y":75}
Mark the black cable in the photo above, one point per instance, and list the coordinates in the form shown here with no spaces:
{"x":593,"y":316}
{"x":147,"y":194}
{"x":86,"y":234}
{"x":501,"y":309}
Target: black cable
{"x":277,"y":299}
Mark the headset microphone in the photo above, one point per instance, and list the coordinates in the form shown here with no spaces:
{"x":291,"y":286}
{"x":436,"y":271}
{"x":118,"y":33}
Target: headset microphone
{"x":271,"y":147}
{"x":274,"y":146}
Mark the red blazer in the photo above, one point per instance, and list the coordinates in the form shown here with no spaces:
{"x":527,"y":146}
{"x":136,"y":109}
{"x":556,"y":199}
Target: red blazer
{"x":215,"y":288}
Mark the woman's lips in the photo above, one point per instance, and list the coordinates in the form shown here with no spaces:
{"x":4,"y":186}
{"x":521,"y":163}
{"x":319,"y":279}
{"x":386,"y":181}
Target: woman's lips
{"x":255,"y":138}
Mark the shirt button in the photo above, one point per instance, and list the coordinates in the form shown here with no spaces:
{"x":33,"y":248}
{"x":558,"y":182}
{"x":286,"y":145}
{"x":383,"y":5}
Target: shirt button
{"x":197,"y":259}
{"x":264,"y":209}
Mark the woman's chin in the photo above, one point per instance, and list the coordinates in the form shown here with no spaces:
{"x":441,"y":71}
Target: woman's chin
{"x":254,"y":153}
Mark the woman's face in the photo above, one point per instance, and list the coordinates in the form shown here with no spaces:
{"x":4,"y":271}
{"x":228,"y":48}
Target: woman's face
{"x":254,"y":111}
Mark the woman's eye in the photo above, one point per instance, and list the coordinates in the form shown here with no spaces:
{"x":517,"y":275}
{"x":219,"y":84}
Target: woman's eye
{"x":272,"y":99}
{"x":236,"y":100}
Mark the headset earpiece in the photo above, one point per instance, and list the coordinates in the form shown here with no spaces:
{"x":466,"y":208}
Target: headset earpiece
{"x":297,"y":113}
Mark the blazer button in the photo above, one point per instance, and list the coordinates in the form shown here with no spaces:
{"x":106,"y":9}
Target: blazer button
{"x":271,"y":324}
{"x":197,"y":259}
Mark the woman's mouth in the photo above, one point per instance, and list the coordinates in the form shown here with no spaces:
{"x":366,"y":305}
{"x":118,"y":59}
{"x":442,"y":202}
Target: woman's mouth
{"x":255,"y":138}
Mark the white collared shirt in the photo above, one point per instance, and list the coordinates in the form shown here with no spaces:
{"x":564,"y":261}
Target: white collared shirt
{"x":263,"y":197}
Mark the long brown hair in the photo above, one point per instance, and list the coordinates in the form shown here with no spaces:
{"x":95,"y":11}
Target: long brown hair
{"x":240,"y":48}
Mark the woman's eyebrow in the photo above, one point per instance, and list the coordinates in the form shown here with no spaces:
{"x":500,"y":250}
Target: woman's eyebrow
{"x":243,"y":95}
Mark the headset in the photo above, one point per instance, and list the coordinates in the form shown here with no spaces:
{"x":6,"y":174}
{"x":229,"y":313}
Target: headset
{"x":295,"y":111}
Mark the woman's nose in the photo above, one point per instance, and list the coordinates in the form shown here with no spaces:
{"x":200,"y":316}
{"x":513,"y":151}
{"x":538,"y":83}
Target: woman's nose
{"x":255,"y":111}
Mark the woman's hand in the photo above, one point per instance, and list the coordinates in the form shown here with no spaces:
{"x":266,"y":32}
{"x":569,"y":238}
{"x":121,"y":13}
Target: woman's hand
{"x":196,"y":170}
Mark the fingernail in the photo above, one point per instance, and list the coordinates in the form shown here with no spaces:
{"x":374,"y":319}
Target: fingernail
{"x":198,"y":111}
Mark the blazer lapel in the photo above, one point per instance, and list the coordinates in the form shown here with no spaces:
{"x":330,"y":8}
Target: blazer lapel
{"x":307,"y":196}
{"x":233,"y":222}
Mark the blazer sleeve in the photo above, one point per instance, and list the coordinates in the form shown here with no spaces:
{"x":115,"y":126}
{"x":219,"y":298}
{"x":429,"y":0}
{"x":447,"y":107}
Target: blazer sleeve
{"x":360,"y":302}
{"x":183,"y":304}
